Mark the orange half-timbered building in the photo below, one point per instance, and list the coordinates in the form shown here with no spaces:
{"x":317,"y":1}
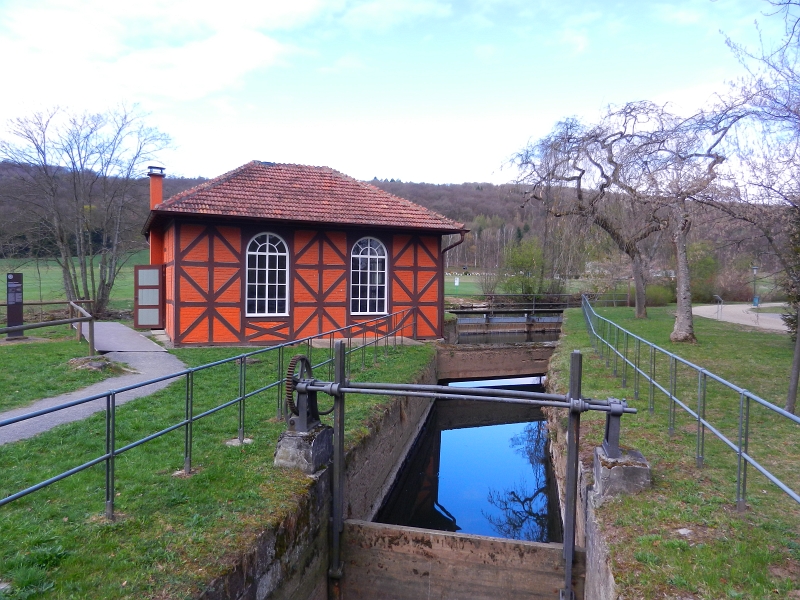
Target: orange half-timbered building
{"x":269,"y":253}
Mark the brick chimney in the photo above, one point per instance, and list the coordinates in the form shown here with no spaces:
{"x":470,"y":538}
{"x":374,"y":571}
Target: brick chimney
{"x":156,"y":175}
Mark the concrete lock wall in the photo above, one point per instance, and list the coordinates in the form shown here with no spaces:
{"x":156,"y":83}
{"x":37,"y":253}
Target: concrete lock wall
{"x":292,"y":561}
{"x":480,"y":361}
{"x":404,"y":563}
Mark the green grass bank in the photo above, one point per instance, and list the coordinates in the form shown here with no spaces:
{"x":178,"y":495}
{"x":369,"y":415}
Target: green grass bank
{"x":173,"y":534}
{"x":725,"y":554}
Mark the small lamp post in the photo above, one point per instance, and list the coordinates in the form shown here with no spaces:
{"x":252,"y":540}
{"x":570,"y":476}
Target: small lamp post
{"x":755,"y":272}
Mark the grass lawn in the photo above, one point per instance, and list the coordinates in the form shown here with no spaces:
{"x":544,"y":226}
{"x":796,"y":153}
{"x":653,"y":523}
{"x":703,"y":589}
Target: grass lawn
{"x":727,"y":554}
{"x":775,"y":310}
{"x":32,"y":370}
{"x":467,"y":285}
{"x":173,"y":534}
{"x":42,"y":280}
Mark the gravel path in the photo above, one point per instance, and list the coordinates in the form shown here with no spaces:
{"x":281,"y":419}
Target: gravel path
{"x":743,"y":314}
{"x":149,"y":360}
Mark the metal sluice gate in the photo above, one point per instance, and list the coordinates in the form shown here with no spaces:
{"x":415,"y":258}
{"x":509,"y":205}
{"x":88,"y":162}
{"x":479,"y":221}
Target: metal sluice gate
{"x":305,"y":415}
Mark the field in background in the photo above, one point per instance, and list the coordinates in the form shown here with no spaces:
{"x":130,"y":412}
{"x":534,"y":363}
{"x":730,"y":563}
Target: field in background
{"x":470,"y":285}
{"x":42,"y":280}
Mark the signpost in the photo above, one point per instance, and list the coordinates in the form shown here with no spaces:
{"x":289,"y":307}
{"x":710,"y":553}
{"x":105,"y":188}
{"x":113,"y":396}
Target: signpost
{"x":14,"y":303}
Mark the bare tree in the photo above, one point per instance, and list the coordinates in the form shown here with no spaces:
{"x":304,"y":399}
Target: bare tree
{"x":77,"y":173}
{"x":765,"y":189}
{"x":575,"y":171}
{"x":673,"y":161}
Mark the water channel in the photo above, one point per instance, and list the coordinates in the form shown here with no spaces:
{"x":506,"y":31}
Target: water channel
{"x":480,"y":468}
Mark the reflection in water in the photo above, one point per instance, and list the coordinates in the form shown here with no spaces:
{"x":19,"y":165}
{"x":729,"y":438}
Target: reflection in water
{"x":524,"y":508}
{"x":467,"y":473}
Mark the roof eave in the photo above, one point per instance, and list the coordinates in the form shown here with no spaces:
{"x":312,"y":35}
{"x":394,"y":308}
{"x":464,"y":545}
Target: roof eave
{"x":156,"y":215}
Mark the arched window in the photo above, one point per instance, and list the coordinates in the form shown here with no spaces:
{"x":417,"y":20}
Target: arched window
{"x":267,"y":276}
{"x":368,"y":277}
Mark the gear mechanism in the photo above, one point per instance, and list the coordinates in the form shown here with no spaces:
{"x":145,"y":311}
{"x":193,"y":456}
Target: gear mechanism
{"x":299,"y":369}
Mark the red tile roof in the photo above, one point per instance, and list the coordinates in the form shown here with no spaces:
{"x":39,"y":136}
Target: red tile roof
{"x":303,"y":194}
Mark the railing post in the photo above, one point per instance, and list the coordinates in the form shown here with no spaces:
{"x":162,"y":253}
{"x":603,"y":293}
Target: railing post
{"x":741,"y":468}
{"x":636,"y":369}
{"x":616,"y":348}
{"x":701,"y":415}
{"x":625,"y":362}
{"x":91,"y":337}
{"x":242,"y":370}
{"x":189,"y":416}
{"x":573,"y":435}
{"x":336,"y":566}
{"x":375,"y":343}
{"x":280,"y":386}
{"x":673,"y":376}
{"x":111,"y":401}
{"x":651,"y":401}
{"x":78,"y":327}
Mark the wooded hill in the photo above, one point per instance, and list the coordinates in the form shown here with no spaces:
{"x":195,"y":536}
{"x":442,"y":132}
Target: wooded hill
{"x":498,"y":216}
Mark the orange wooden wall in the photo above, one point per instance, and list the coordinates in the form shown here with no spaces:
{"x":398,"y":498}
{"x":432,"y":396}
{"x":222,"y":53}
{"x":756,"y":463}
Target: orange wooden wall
{"x":169,"y":282}
{"x":204,"y":278}
{"x":416,"y":276}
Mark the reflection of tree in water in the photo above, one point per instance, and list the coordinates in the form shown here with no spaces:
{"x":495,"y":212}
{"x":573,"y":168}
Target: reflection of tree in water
{"x":524,"y":514}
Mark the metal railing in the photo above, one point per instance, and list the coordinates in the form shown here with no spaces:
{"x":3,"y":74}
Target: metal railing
{"x":518,"y":303}
{"x":573,"y":402}
{"x":364,"y":337}
{"x":624,"y":350}
{"x":74,"y":309}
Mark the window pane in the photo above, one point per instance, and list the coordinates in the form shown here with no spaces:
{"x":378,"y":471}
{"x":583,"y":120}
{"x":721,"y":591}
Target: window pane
{"x":267,"y":275}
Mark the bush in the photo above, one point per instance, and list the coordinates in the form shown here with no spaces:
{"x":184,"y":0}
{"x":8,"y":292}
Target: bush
{"x":659,"y":295}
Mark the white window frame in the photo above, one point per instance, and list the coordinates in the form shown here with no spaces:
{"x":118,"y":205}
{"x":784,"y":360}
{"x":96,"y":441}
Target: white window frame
{"x":369,"y":270}
{"x":267,"y":259}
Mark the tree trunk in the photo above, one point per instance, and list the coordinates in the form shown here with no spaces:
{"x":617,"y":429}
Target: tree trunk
{"x":639,"y":283}
{"x":684,"y":324}
{"x":791,"y":397}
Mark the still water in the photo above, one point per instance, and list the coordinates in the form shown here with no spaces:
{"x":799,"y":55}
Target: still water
{"x":480,"y":468}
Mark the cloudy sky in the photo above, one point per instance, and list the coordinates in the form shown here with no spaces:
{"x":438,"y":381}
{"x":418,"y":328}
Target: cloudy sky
{"x":420,"y":90}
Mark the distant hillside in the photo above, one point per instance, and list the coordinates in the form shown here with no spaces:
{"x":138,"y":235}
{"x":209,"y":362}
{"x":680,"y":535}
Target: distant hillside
{"x":461,"y":201}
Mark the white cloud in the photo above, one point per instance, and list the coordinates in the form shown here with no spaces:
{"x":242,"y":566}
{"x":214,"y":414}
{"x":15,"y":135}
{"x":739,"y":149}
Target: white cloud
{"x":485,"y":52}
{"x":678,"y":15}
{"x":198,"y":68}
{"x":381,"y":14}
{"x":345,"y":64}
{"x":578,"y":41}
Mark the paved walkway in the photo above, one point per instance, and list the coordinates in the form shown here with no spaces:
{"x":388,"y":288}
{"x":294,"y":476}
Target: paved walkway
{"x":743,"y":314}
{"x":120,"y":344}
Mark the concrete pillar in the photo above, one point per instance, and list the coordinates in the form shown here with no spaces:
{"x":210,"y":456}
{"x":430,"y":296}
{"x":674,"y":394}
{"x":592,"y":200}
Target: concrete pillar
{"x":624,"y":475}
{"x":308,"y":451}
